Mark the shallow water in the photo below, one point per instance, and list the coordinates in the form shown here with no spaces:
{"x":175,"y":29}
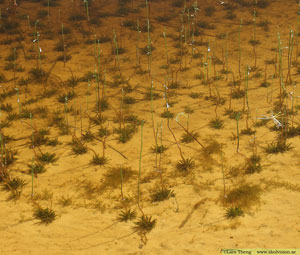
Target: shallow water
{"x":185,"y":112}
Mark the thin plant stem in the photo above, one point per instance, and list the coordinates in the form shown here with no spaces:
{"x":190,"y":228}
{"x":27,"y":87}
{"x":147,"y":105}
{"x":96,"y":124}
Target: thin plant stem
{"x":140,"y":169}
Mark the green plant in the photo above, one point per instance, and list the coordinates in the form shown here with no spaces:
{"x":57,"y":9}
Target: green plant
{"x":99,"y":119}
{"x":45,"y":215}
{"x":216,"y":123}
{"x":206,"y":25}
{"x":278,"y":147}
{"x":257,"y":75}
{"x":234,"y":212}
{"x":155,"y":95}
{"x":189,"y":137}
{"x":126,"y":132}
{"x":39,"y":138}
{"x":120,"y":51}
{"x":158,"y":148}
{"x":145,"y":224}
{"x":133,"y":119}
{"x":195,"y":95}
{"x":65,"y":201}
{"x":66,"y":96}
{"x":167,"y":114}
{"x":261,"y":122}
{"x":36,"y":168}
{"x":99,"y":160}
{"x":233,"y":114}
{"x":25,"y":113}
{"x":185,"y":165}
{"x":253,"y":164}
{"x":126,"y":215}
{"x":77,"y":146}
{"x":129,"y":23}
{"x":265,"y":84}
{"x":5,"y":139}
{"x":162,"y":194}
{"x":73,"y":81}
{"x":14,"y":184}
{"x":4,"y":124}
{"x":103,"y":131}
{"x":12,"y":116}
{"x":103,"y":104}
{"x":47,"y":158}
{"x":38,"y":75}
{"x":247,"y":131}
{"x":293,"y":131}
{"x":129,"y":100}
{"x":237,"y":93}
{"x":147,"y":50}
{"x":7,"y":107}
{"x":104,"y":39}
{"x":254,"y":42}
{"x":88,"y":136}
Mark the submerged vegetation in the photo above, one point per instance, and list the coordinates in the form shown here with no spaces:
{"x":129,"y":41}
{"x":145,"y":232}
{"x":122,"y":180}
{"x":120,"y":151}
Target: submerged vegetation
{"x":127,"y":103}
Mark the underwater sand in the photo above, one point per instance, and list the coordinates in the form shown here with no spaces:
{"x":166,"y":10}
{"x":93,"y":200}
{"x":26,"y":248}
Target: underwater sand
{"x":193,"y":221}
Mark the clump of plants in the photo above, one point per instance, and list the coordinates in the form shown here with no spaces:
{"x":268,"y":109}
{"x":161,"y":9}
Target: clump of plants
{"x":158,"y":148}
{"x":162,"y":194}
{"x":65,"y":201}
{"x":189,"y":137}
{"x":233,"y":212}
{"x":38,"y":75}
{"x":216,"y":123}
{"x":66,"y":97}
{"x":77,"y":146}
{"x":39,"y":138}
{"x":253,"y":164}
{"x":238,"y":93}
{"x":144,"y":224}
{"x":279,"y":146}
{"x":15,"y":186}
{"x":167,"y":115}
{"x":45,"y":215}
{"x":185,"y":165}
{"x":126,"y":215}
{"x":126,"y":132}
{"x":99,"y":160}
{"x":47,"y":158}
{"x":36,"y":168}
{"x":87,"y":136}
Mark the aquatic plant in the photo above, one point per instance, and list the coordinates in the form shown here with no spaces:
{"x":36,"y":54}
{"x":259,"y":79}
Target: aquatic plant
{"x":45,"y":215}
